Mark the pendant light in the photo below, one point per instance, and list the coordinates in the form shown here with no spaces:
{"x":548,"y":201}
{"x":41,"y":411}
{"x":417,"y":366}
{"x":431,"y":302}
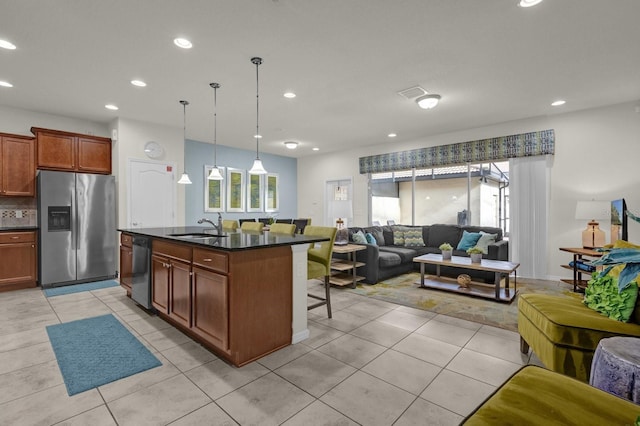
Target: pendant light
{"x":257,"y":168}
{"x":215,"y":171}
{"x":184,"y":179}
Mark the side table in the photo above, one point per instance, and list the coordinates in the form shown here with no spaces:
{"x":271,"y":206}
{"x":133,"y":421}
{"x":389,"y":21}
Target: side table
{"x":579,"y":254}
{"x":616,"y":367}
{"x":346,"y":268}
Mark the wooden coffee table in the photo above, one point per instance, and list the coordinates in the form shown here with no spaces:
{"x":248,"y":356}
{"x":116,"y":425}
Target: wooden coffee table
{"x":501,"y":268}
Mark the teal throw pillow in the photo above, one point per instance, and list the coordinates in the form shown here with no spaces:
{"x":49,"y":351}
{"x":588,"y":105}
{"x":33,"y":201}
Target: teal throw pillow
{"x":413,"y":238}
{"x":359,"y":238}
{"x":468,"y":240}
{"x":370,"y":239}
{"x":484,"y":241}
{"x":602,"y":296}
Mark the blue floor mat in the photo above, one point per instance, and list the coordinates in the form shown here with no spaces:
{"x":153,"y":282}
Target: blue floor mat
{"x":94,"y":351}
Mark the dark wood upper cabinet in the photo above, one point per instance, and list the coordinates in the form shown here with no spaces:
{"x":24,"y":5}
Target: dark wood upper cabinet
{"x":94,"y":155}
{"x":17,"y":165}
{"x":65,"y":151}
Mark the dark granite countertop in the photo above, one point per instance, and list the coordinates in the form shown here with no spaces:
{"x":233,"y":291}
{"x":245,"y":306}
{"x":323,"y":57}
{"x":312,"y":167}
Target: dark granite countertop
{"x":18,"y":228}
{"x":229,"y":241}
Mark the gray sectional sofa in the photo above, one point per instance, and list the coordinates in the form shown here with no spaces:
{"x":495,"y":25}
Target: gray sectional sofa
{"x":385,"y":259}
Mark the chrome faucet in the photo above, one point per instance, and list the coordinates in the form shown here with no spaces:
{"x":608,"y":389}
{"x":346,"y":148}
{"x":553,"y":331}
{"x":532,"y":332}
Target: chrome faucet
{"x":218,"y":227}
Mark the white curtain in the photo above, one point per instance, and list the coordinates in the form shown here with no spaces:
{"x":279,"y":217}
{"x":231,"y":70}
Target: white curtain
{"x":529,"y":194}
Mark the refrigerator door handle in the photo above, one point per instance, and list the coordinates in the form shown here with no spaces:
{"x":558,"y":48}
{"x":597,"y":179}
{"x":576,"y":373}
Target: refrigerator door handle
{"x":74,"y":223}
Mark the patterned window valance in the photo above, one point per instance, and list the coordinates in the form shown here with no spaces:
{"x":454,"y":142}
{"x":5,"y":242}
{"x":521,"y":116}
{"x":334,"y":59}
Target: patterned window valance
{"x":481,"y":151}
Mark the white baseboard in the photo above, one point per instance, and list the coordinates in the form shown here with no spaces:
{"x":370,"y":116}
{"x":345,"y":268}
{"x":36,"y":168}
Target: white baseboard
{"x":300,"y":336}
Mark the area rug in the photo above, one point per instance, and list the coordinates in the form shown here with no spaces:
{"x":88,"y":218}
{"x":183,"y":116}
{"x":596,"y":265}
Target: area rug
{"x":77,"y":288}
{"x":94,"y":351}
{"x":403,"y":290}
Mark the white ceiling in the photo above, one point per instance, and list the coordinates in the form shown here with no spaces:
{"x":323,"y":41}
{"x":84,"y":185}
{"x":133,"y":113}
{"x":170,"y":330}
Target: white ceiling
{"x":345,"y":59}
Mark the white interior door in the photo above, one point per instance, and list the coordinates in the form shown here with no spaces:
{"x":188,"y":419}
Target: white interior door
{"x":339,"y":201}
{"x":152,"y":194}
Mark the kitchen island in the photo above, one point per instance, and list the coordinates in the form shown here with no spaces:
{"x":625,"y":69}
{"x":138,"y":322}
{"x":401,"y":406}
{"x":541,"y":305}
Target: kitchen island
{"x":241,"y":294}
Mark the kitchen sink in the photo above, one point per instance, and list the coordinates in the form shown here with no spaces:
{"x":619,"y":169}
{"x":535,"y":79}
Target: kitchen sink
{"x":196,"y":236}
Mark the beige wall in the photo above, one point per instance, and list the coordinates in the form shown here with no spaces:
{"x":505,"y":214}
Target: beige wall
{"x":597,"y":154}
{"x":19,"y":121}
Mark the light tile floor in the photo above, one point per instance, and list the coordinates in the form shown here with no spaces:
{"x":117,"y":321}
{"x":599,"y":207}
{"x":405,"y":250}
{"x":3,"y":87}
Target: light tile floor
{"x":373,"y":363}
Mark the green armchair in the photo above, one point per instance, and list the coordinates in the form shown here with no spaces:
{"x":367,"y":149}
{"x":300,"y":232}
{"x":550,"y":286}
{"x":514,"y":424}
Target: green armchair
{"x":564,"y":333}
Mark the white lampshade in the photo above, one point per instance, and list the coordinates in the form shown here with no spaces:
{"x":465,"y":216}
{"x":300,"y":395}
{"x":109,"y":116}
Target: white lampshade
{"x":589,"y":210}
{"x":215,"y":174}
{"x":184,"y":179}
{"x":342,"y":209}
{"x":428,"y":101}
{"x":257,"y":168}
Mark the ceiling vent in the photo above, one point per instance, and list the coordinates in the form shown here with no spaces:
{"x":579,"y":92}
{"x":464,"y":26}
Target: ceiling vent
{"x":412,"y":92}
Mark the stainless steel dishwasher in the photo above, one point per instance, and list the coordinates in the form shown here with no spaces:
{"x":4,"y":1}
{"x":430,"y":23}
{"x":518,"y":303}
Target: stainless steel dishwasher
{"x":141,"y":279}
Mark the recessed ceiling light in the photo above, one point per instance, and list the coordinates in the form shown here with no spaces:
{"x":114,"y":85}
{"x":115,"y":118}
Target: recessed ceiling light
{"x":5,"y":84}
{"x":392,"y":135}
{"x":558,"y":102}
{"x":138,"y":83}
{"x":291,"y":144}
{"x":111,"y":107}
{"x":528,"y":3}
{"x":257,"y":136}
{"x":316,"y":149}
{"x":428,"y":101}
{"x":7,"y":45}
{"x":183,"y":43}
{"x":289,"y":95}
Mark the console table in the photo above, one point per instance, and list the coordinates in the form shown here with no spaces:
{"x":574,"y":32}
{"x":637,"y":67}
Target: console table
{"x":501,"y":268}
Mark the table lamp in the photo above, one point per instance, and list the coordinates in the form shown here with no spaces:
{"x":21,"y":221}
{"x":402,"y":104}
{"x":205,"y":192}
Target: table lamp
{"x":342,"y":210}
{"x":593,"y":211}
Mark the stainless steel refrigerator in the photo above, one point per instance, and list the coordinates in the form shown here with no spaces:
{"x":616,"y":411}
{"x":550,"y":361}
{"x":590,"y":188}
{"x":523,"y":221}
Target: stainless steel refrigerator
{"x":77,"y":221}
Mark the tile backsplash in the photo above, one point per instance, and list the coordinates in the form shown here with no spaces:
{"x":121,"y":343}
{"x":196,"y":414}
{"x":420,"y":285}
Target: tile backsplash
{"x":15,"y":212}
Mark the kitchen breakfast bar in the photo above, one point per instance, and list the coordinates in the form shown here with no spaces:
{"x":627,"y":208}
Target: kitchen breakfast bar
{"x":241,"y":294}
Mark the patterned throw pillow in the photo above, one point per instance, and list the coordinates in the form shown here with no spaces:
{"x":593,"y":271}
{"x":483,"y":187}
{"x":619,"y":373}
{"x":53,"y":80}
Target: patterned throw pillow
{"x":413,"y":238}
{"x":398,"y":237}
{"x":359,"y":238}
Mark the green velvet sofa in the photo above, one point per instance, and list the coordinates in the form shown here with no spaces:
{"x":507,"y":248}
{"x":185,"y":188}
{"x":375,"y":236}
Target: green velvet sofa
{"x":536,"y":396}
{"x":564,"y":333}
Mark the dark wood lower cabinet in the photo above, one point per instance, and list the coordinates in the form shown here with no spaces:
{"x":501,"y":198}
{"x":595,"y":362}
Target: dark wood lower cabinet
{"x":238,"y":304}
{"x":160,"y":283}
{"x":180,"y":292}
{"x":18,"y":262}
{"x":126,"y":268}
{"x":210,"y":307}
